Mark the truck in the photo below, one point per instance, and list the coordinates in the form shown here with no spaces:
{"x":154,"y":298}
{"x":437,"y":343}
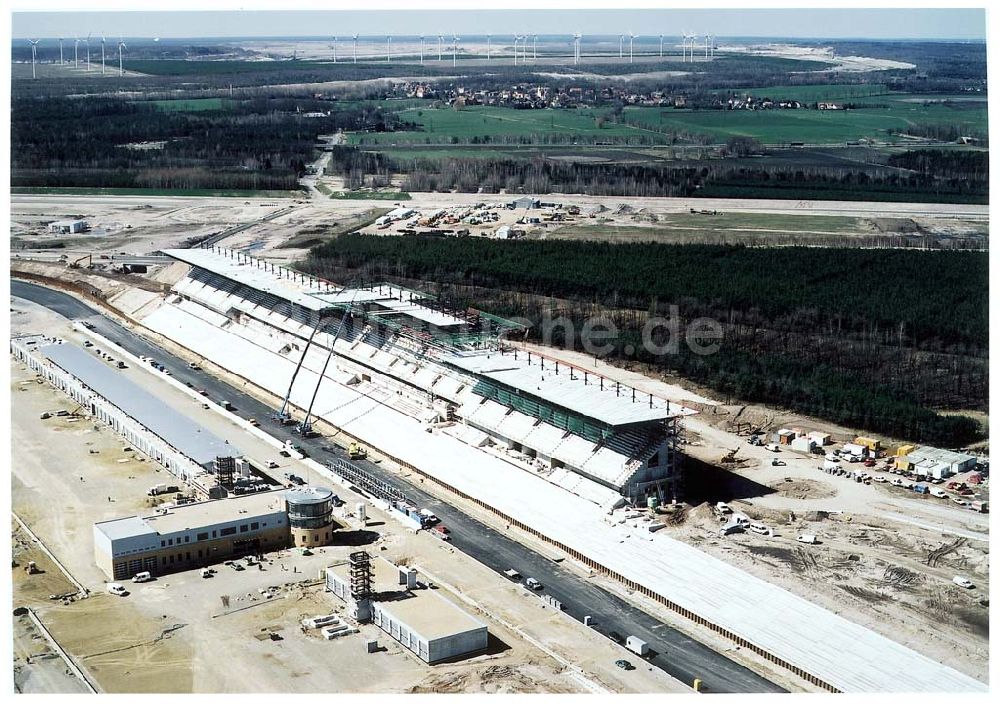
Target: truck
{"x":163,"y":489}
{"x":637,"y":646}
{"x":292,"y":450}
{"x":227,"y":405}
{"x":356,"y":452}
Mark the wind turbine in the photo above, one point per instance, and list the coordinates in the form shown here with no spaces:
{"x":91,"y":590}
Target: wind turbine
{"x":661,"y":46}
{"x":334,"y":47}
{"x":631,"y":39}
{"x":621,"y":46}
{"x":516,"y":37}
{"x":121,"y":46}
{"x":388,"y":48}
{"x":103,"y":40}
{"x":440,"y":47}
{"x":694,"y":41}
{"x":76,"y":52}
{"x":421,"y":50}
{"x":706,"y":45}
{"x":87,"y":41}
{"x":454,"y":52}
{"x":34,"y":50}
{"x":60,"y":51}
{"x":355,"y":49}
{"x":489,"y":47}
{"x":576,"y":47}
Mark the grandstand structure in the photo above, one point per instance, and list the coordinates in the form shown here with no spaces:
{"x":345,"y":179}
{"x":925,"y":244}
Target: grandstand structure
{"x":453,"y":371}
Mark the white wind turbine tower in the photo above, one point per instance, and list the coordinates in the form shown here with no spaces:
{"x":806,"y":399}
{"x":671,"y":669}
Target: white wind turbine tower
{"x":388,"y":48}
{"x":87,"y":41}
{"x":103,"y":40}
{"x":707,"y":37}
{"x":34,"y":52}
{"x":355,"y":37}
{"x":631,"y":39}
{"x":76,"y":52}
{"x":515,"y":49}
{"x":661,"y":46}
{"x":334,"y":47}
{"x":576,"y":47}
{"x":421,"y":50}
{"x":454,"y":52}
{"x":489,"y":47}
{"x":121,"y":47}
{"x":440,"y":47}
{"x":60,"y":51}
{"x":694,"y":41}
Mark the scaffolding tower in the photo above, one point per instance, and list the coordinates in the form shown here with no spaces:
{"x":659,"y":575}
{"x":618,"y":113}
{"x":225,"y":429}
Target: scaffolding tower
{"x":361,"y":578}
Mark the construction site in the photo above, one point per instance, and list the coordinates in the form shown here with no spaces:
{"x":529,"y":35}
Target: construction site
{"x":458,"y":466}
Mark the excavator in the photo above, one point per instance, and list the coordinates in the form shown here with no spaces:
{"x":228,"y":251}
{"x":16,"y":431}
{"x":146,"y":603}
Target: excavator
{"x":730,"y":457}
{"x":89,"y":258}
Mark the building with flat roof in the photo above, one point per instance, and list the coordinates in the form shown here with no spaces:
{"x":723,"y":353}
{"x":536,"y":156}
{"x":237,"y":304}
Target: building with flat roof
{"x":203,"y":533}
{"x":422,"y":620}
{"x":68,"y":226}
{"x":179,"y":444}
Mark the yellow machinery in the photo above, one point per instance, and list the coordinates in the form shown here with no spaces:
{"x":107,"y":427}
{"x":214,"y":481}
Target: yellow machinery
{"x":356,"y":452}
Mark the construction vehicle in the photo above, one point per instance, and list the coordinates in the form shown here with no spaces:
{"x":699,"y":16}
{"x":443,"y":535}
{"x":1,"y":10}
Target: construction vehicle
{"x":31,"y":568}
{"x":89,"y":258}
{"x":356,"y":452}
{"x":730,"y":457}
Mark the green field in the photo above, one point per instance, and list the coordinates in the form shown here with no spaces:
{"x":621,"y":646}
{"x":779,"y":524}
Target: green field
{"x":189,"y":105}
{"x":444,"y":125}
{"x":811,"y":126}
{"x":144,"y":192}
{"x":389,"y":196}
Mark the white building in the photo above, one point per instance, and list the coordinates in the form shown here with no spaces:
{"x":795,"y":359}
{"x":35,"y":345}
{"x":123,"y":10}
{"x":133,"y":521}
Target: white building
{"x":422,"y":620}
{"x":72,"y":226}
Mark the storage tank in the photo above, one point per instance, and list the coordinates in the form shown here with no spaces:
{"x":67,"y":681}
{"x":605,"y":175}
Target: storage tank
{"x":310,"y":516}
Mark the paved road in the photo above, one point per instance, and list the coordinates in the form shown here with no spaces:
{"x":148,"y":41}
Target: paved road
{"x":678,"y":655}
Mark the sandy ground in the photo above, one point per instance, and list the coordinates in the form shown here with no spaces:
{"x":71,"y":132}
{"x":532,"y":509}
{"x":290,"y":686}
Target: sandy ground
{"x":168,"y":635}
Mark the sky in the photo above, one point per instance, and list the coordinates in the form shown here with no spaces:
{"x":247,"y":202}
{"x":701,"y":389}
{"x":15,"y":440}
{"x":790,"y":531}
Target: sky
{"x":853,"y":23}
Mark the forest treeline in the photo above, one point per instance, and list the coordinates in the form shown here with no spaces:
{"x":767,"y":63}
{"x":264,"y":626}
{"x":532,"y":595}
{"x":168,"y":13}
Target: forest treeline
{"x":259,"y":143}
{"x":842,"y":334}
{"x":538,"y":175}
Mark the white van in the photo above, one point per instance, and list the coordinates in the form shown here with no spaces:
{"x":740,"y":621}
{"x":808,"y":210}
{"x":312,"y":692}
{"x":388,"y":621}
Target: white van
{"x":143,"y":577}
{"x":760,"y":528}
{"x":117,"y":589}
{"x":532,"y":584}
{"x":512,"y":574}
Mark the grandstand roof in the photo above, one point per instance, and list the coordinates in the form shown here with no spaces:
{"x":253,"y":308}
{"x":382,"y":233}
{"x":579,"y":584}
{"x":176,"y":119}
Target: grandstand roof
{"x":586,"y":396}
{"x":312,"y":293}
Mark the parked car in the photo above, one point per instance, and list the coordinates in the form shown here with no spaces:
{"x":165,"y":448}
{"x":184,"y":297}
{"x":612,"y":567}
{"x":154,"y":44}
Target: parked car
{"x":807,"y":538}
{"x":880,"y":478}
{"x":938,"y":492}
{"x":533,"y":584}
{"x":207,"y":572}
{"x":512,"y":574}
{"x":117,"y":589}
{"x":622,"y":664}
{"x":143,"y":577}
{"x":963,"y":582}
